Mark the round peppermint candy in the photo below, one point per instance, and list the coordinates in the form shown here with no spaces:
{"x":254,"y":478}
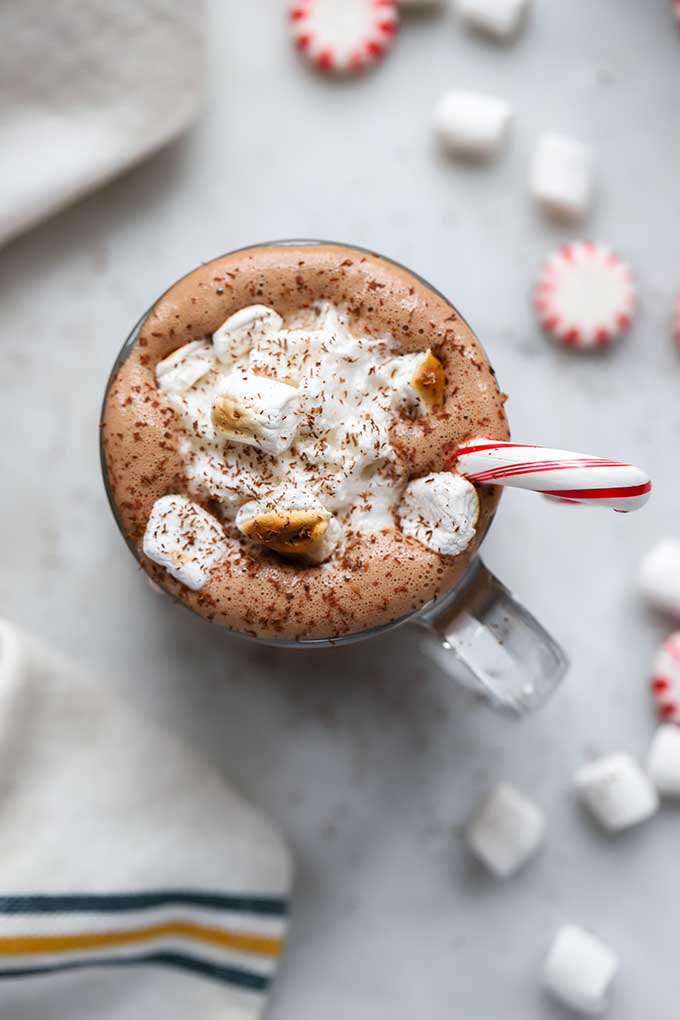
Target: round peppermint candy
{"x":585,"y":295}
{"x":343,"y":35}
{"x":665,"y":683}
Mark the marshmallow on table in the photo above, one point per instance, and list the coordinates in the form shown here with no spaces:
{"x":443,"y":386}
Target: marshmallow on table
{"x":243,"y":330}
{"x":417,"y":381}
{"x":499,"y":18}
{"x":616,"y":791}
{"x":184,"y":539}
{"x":291,"y":522}
{"x":440,"y":511}
{"x":255,"y":410}
{"x":472,"y":123}
{"x":663,"y":761}
{"x":660,"y":576}
{"x":561,"y":177}
{"x":184,"y":367}
{"x":578,"y":971}
{"x":506,"y":831}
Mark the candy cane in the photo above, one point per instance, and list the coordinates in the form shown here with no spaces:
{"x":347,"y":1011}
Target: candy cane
{"x":570,"y":476}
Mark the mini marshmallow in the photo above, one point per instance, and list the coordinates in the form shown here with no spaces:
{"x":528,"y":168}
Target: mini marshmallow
{"x":616,"y":791}
{"x":660,"y":576}
{"x":440,"y":511}
{"x":471,"y":123}
{"x":663,"y":761}
{"x":243,"y":329}
{"x":256,"y":411}
{"x":579,"y":970}
{"x":561,"y":176}
{"x":417,"y":381}
{"x":184,"y":367}
{"x":498,"y":18}
{"x":291,"y":522}
{"x":185,"y":539}
{"x":507,"y":830}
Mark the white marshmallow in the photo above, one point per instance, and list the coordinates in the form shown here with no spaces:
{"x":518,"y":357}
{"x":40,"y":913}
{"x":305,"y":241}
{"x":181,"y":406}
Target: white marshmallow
{"x":506,"y":831}
{"x":663,"y":761}
{"x":254,"y":410}
{"x":184,"y":367}
{"x":616,"y":791}
{"x":441,"y":511}
{"x":578,"y":970}
{"x":561,"y":176}
{"x":471,"y":123}
{"x":291,"y":521}
{"x":660,"y":576}
{"x":184,"y":539}
{"x":499,"y":18}
{"x":243,"y":329}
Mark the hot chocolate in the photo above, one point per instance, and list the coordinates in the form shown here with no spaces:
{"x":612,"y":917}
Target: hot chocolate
{"x":276,"y":438}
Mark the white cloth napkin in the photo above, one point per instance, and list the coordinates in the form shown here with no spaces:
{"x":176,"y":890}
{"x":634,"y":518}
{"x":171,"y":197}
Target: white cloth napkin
{"x":88,"y":87}
{"x":134,"y":882}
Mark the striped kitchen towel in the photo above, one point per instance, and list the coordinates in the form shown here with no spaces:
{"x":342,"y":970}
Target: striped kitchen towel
{"x":87,"y":89}
{"x":135,"y":883}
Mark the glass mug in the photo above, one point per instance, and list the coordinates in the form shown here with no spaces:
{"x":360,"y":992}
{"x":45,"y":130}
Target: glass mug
{"x":477,"y":632}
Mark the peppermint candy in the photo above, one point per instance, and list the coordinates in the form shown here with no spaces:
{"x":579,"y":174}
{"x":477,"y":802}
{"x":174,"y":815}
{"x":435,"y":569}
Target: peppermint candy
{"x":343,"y":36}
{"x":585,"y":295}
{"x":665,"y":683}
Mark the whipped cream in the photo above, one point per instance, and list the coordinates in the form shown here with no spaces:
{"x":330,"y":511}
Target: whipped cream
{"x":296,"y":418}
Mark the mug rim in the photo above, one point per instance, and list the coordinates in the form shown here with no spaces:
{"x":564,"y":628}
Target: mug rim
{"x":306,"y":643}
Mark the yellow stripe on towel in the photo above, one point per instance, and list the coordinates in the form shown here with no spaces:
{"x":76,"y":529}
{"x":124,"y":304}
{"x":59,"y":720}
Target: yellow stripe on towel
{"x":260,"y":945}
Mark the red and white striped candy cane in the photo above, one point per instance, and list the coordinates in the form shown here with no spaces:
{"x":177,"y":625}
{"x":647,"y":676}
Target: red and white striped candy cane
{"x":570,"y":476}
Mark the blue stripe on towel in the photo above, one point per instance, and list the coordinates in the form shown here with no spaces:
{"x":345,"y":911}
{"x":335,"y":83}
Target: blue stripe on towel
{"x":228,"y":975}
{"x":265,"y":906}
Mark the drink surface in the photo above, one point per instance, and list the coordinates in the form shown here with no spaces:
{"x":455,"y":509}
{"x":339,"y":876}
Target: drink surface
{"x":356,"y":441}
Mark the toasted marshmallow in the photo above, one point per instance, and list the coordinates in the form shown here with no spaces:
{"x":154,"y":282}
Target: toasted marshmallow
{"x":184,"y":539}
{"x":441,"y":511}
{"x":184,"y":367}
{"x":243,"y":330}
{"x":418,"y":382}
{"x":291,"y":522}
{"x":256,"y":411}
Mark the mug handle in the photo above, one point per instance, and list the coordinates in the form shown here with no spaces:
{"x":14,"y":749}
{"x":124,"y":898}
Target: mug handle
{"x":489,"y":642}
